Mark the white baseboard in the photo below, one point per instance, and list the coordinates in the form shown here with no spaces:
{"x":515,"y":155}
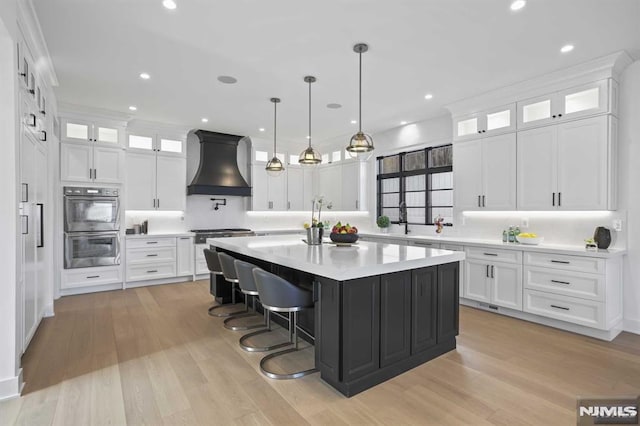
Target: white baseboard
{"x":48,"y":311}
{"x":10,"y":388}
{"x":632,"y":326}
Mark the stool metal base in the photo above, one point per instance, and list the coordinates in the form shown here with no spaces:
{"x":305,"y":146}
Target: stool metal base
{"x":229,"y":326}
{"x":252,"y":348}
{"x":285,"y":376}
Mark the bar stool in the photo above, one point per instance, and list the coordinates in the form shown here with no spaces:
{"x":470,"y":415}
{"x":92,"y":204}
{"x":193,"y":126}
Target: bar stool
{"x":229,"y":272}
{"x":213,"y":264}
{"x":248,"y":288}
{"x":279,"y":295}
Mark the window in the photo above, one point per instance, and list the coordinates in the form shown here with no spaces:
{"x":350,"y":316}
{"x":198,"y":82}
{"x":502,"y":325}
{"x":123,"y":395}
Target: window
{"x":262,"y":156}
{"x":423,"y":179}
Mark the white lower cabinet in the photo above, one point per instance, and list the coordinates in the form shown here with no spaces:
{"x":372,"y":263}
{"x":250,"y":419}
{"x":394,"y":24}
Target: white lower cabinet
{"x":151,"y":258}
{"x":90,"y":277}
{"x":494,"y":277}
{"x":201,"y":262}
{"x":564,"y":308}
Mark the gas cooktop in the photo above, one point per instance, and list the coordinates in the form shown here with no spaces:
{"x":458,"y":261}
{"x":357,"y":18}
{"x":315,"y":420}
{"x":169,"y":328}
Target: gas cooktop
{"x":203,"y":234}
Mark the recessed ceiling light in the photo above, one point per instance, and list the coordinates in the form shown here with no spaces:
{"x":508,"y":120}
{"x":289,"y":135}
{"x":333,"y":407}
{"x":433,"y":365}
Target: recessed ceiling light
{"x":145,"y":76}
{"x":402,"y":123}
{"x":334,"y":106}
{"x":428,"y":96}
{"x":227,"y":79}
{"x":518,"y":4}
{"x":205,"y":120}
{"x":261,"y":129}
{"x":566,"y":48}
{"x":133,"y":108}
{"x":354,"y":121}
{"x":308,"y":137}
{"x":169,"y":4}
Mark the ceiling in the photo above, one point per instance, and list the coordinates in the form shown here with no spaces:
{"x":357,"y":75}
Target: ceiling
{"x":450,"y":48}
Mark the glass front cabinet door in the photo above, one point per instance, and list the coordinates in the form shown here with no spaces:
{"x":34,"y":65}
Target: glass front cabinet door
{"x":488,"y":122}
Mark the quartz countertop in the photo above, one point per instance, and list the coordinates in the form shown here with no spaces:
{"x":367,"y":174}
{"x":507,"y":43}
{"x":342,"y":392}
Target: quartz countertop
{"x":574,"y":250}
{"x":363,"y":259}
{"x":160,"y":234}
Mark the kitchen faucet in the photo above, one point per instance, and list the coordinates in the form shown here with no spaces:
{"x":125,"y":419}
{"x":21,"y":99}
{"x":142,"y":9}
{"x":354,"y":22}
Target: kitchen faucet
{"x":403,"y":217}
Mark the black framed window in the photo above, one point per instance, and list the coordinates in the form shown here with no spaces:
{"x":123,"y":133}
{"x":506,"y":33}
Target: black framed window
{"x":423,"y":179}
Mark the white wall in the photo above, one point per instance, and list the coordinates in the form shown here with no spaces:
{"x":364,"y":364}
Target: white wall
{"x":9,"y":361}
{"x":629,"y":162}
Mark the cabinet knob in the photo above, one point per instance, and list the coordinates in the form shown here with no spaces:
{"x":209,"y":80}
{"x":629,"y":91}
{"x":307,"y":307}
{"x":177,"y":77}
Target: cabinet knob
{"x":553,"y":116}
{"x":484,"y":131}
{"x":559,"y":115}
{"x":479,"y":131}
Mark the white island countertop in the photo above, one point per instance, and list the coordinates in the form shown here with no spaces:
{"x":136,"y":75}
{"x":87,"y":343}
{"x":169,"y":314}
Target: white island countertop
{"x":363,"y":259}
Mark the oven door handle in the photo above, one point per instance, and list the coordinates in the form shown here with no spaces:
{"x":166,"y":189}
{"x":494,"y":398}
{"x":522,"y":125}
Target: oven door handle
{"x":93,"y":234}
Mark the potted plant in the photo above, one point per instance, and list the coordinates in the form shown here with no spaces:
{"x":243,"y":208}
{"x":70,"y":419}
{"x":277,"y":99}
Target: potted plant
{"x":315,"y":230}
{"x":383,"y":223}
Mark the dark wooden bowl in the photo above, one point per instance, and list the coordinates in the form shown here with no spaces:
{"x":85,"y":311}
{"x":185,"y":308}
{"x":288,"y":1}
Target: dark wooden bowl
{"x":343,"y":238}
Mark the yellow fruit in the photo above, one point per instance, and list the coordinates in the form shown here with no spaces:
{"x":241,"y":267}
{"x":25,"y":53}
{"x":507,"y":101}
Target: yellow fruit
{"x":306,"y":226}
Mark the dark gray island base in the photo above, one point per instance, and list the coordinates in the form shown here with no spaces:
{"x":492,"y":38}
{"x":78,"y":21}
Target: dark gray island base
{"x":368,"y":330}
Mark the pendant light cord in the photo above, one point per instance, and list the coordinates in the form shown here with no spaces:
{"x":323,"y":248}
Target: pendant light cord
{"x":310,"y":113}
{"x":360,"y":93}
{"x":275,"y":112}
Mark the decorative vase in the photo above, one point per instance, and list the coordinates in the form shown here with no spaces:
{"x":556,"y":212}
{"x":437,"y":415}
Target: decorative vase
{"x":314,"y":236}
{"x":384,"y":230}
{"x":602,"y":237}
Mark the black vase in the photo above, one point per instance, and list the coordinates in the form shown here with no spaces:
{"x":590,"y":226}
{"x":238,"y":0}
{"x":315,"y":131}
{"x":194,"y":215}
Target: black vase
{"x":602,"y":237}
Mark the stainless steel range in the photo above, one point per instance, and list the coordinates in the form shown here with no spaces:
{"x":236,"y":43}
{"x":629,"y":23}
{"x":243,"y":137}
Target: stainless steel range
{"x":203,"y":234}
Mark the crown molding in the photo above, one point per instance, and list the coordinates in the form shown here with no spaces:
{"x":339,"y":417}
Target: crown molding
{"x":29,"y":25}
{"x":609,"y":66}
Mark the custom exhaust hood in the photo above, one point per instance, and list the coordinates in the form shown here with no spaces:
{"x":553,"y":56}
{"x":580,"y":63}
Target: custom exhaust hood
{"x":218,"y":172}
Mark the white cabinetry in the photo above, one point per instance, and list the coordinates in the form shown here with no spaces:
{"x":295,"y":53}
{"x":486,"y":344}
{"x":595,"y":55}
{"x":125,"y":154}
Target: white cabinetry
{"x":148,"y":140}
{"x":485,"y":173}
{"x":90,"y":163}
{"x":487,"y":122}
{"x":201,"y":262}
{"x":185,"y":253}
{"x":589,"y":99}
{"x":569,"y":166}
{"x":94,"y":130}
{"x":90,"y":277}
{"x":155,"y":181}
{"x":151,"y":258}
{"x":330,"y":184}
{"x":351,"y":186}
{"x":268,"y":192}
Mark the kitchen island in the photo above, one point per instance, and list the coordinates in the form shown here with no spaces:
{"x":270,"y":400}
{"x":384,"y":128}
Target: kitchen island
{"x":380,"y":309}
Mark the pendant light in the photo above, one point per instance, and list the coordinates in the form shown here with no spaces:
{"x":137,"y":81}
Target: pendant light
{"x":310,"y":156}
{"x":361,"y":144}
{"x":275,"y":166}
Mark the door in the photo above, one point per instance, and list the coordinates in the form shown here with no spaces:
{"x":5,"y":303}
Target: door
{"x":76,"y":130}
{"x":89,"y":249}
{"x":424,"y":289}
{"x":499,"y":120}
{"x":171,"y":186}
{"x":395,"y":317}
{"x":588,"y":99}
{"x":536,"y":168}
{"x":28,"y":223}
{"x":107,"y":164}
{"x":185,"y":256}
{"x":499,"y":172}
{"x":106,"y":134}
{"x":330,"y":184}
{"x":506,"y":285}
{"x":295,"y":189}
{"x":90,"y":214}
{"x":476,"y":275}
{"x":140,"y":183}
{"x":43,"y":251}
{"x":259,"y":192}
{"x":448,"y":302}
{"x":467,"y":174}
{"x":583,"y":164}
{"x":466,"y":127}
{"x":537,"y":111}
{"x":76,"y":162}
{"x":351,"y":186}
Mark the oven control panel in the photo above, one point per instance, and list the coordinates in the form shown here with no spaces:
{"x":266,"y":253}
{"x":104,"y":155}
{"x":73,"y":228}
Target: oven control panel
{"x":91,"y":192}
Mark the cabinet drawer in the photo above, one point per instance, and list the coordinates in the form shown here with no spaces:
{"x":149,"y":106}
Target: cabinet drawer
{"x":568,"y":263}
{"x":425,"y":243}
{"x":151,"y":271}
{"x":151,"y":254}
{"x":494,"y":255}
{"x":571,"y":309}
{"x":568,"y":283}
{"x":151,"y":242}
{"x":452,"y":247}
{"x":90,"y":277}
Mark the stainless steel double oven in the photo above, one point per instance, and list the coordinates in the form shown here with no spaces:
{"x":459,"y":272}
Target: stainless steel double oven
{"x":91,"y":227}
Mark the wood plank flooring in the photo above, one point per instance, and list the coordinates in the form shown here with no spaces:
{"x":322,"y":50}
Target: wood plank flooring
{"x":152,"y":355}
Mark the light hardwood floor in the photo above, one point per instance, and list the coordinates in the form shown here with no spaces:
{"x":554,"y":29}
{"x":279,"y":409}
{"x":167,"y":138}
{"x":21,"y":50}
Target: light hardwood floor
{"x":152,"y":355}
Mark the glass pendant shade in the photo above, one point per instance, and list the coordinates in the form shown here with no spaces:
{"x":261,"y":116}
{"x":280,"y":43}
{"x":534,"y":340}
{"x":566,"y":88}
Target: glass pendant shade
{"x":310,"y":157}
{"x":361,"y":145}
{"x":275,"y":167}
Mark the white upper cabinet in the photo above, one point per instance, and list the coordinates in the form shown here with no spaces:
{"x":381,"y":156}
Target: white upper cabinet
{"x":269,"y":193}
{"x":569,"y":166}
{"x":351,"y":186}
{"x":141,"y":181}
{"x":581,"y":101}
{"x":330,"y":184}
{"x":155,"y":181}
{"x":171,"y":183}
{"x":88,"y":163}
{"x":295,"y":189}
{"x":108,"y":165}
{"x":88,"y":130}
{"x":146,"y":141}
{"x":487,"y":122}
{"x":484,"y":172}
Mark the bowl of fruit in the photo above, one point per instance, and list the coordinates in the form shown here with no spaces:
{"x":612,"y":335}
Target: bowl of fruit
{"x":529,"y":238}
{"x":344,"y":234}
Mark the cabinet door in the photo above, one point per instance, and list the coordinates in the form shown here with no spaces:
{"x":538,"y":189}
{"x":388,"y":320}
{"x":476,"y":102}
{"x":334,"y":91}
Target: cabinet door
{"x":476,"y":284}
{"x":499,"y":172}
{"x":277,"y":192}
{"x":583,"y":164}
{"x":466,"y":127}
{"x":499,"y":120}
{"x":76,"y":130}
{"x":395,"y":317}
{"x":448,"y":302}
{"x":584,"y":100}
{"x":107,"y":163}
{"x":171,"y":146}
{"x":536,"y":166}
{"x":140,"y":183}
{"x":537,"y":111}
{"x":106,"y":134}
{"x":171,"y":183}
{"x":76,"y":162}
{"x":424,"y":289}
{"x":330,"y":184}
{"x":308,"y":187}
{"x":351,"y":186}
{"x":506,"y":285}
{"x":259,"y":191}
{"x":185,"y":256}
{"x":295,"y":188}
{"x":467,"y":174}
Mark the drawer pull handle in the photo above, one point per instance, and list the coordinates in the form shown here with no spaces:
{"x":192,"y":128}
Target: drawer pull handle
{"x":152,"y":271}
{"x":559,"y":307}
{"x":152,"y":255}
{"x":565,"y":262}
{"x":152,"y":242}
{"x":490,"y":254}
{"x":561,"y":282}
{"x":419,"y":243}
{"x":93,"y":276}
